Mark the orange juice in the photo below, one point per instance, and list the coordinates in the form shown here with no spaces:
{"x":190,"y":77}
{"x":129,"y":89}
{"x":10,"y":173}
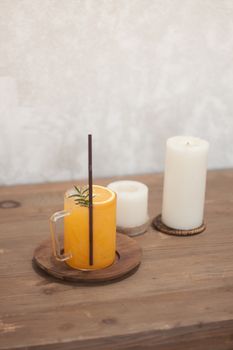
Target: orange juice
{"x":76,"y":230}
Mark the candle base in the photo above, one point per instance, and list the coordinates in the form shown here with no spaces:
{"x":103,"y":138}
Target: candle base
{"x":160,"y":226}
{"x":134,"y":231}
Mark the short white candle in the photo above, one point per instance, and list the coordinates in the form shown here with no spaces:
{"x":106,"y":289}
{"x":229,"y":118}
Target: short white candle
{"x":132,"y":203}
{"x":184,"y":182}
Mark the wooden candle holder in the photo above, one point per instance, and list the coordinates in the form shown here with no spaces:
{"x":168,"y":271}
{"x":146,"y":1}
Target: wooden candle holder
{"x":160,"y":226}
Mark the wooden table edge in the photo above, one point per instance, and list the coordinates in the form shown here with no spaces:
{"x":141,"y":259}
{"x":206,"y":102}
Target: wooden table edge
{"x":221,"y":334}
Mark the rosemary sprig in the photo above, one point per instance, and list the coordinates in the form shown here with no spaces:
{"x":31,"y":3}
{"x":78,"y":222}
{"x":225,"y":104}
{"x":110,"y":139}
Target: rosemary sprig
{"x":81,"y":198}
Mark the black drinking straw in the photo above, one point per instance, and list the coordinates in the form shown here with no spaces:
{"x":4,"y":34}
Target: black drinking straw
{"x":90,"y":199}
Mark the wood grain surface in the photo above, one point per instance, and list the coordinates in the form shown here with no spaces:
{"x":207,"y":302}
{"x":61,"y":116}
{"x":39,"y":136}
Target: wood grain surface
{"x":180,"y":298}
{"x":128,"y":258}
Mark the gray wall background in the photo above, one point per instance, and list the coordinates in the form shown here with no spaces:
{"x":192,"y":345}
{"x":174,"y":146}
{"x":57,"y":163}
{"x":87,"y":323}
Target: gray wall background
{"x":132,"y":72}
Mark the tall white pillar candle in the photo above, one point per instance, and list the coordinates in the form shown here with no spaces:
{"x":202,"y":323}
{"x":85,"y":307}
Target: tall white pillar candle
{"x":184,"y":182}
{"x":132,"y":203}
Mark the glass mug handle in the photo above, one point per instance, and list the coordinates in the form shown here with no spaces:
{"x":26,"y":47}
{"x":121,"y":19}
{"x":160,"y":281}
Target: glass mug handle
{"x":55,"y":243}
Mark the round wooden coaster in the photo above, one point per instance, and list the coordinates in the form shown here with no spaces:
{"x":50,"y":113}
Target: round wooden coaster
{"x":128,"y":259}
{"x":160,"y":226}
{"x":134,"y":231}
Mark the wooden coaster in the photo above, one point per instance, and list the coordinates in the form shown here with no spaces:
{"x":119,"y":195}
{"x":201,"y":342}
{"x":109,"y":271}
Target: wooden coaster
{"x":128,"y":259}
{"x":160,"y":226}
{"x":134,"y":231}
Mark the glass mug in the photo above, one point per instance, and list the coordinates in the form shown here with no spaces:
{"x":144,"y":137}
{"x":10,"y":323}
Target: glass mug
{"x":76,"y":230}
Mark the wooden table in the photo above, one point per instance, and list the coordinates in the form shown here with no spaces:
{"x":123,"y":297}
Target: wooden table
{"x":180,"y":298}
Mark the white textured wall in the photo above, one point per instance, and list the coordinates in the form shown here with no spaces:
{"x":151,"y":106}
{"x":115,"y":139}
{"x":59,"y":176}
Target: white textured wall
{"x":132,"y":72}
